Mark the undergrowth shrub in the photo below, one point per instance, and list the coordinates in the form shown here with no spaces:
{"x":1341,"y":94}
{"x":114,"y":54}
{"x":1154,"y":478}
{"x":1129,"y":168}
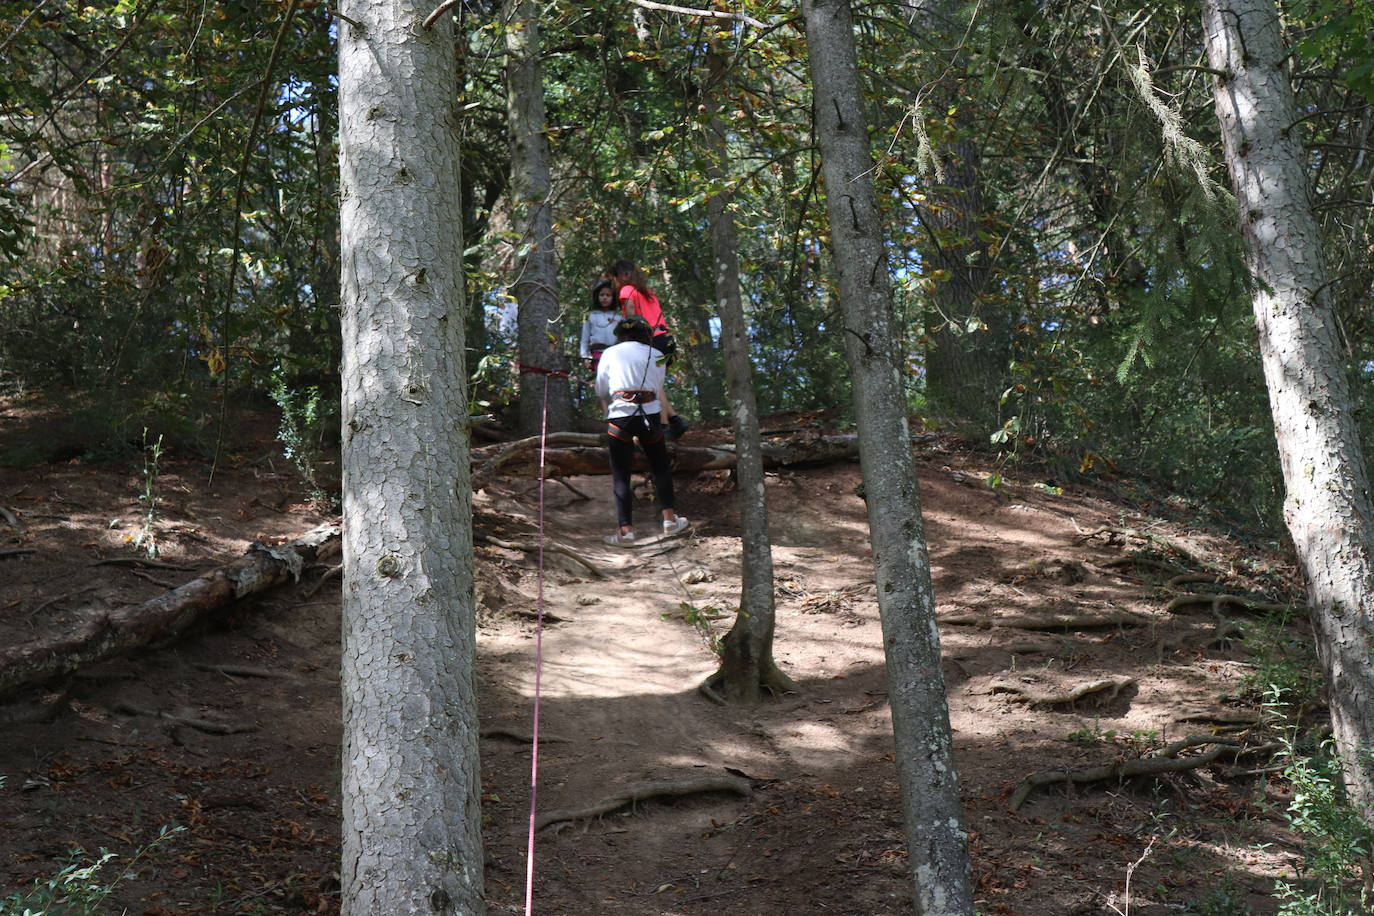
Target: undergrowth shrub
{"x":84,"y":884}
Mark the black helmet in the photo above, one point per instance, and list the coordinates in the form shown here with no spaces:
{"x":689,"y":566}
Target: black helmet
{"x":633,"y":327}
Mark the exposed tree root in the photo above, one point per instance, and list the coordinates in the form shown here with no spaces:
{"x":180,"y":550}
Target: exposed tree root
{"x":1217,"y":601}
{"x":549,"y":547}
{"x":515,"y":734}
{"x":1136,"y":559}
{"x":204,"y":725}
{"x":1112,"y":686}
{"x":1047,"y":621}
{"x":17,"y":552}
{"x":1173,"y":545}
{"x":1165,"y":760}
{"x":141,"y":561}
{"x":643,"y":792}
{"x":333,"y":572}
{"x":248,"y":671}
{"x":11,"y":519}
{"x":771,"y":680}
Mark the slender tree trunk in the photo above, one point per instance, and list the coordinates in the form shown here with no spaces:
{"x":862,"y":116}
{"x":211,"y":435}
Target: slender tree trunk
{"x":747,"y":667}
{"x":1328,"y":508}
{"x":411,"y":820}
{"x":936,"y":840}
{"x":535,"y":280}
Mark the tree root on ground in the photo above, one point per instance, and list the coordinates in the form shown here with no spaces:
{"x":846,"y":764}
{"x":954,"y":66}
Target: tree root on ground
{"x":1047,"y":621}
{"x":549,"y":547}
{"x":515,"y":734}
{"x":643,"y":792}
{"x":1192,"y":554}
{"x":333,"y":572}
{"x":1218,"y":600}
{"x":204,"y":725}
{"x":1112,"y":686}
{"x":771,"y":680}
{"x":1165,"y":760}
{"x":17,"y":552}
{"x":247,"y":671}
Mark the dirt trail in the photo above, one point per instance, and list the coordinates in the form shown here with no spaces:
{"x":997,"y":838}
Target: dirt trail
{"x":821,"y":832}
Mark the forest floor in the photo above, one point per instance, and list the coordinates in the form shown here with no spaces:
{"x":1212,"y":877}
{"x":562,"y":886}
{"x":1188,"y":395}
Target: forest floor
{"x":821,"y":831}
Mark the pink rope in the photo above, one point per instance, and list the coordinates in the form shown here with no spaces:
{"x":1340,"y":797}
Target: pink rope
{"x":538,"y":664}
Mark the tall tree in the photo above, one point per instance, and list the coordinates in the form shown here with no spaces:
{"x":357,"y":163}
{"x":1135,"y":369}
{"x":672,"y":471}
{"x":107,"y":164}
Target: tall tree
{"x":970,"y":343}
{"x":1328,"y":509}
{"x":747,"y":666}
{"x":535,"y":271}
{"x":411,"y":819}
{"x":936,"y":841}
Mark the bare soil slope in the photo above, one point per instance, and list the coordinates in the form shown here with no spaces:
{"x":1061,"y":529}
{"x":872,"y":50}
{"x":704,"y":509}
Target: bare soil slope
{"x":820,"y":831}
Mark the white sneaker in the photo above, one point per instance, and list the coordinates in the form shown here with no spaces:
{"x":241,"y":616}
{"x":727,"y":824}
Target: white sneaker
{"x":620,"y":540}
{"x":675,"y":526}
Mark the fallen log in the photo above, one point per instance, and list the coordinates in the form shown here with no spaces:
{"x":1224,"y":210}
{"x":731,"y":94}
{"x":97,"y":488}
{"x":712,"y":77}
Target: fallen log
{"x":124,"y":629}
{"x":574,"y":454}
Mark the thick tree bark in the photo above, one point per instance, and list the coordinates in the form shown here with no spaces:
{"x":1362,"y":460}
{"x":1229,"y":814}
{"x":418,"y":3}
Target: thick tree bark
{"x":126,"y":629}
{"x":936,"y":840}
{"x":411,"y":820}
{"x":535,"y":270}
{"x":747,"y":666}
{"x":970,"y":348}
{"x":1328,"y":507}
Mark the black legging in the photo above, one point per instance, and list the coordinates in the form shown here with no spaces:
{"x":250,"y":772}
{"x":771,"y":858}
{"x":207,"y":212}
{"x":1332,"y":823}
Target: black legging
{"x":621,"y":433}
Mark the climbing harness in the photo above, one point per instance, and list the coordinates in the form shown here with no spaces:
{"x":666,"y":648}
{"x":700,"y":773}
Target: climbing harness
{"x":538,"y":648}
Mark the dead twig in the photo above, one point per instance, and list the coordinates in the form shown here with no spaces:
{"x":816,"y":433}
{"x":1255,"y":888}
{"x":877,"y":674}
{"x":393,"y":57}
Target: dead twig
{"x":51,"y":601}
{"x":17,"y":552}
{"x":645,"y":791}
{"x":11,"y":519}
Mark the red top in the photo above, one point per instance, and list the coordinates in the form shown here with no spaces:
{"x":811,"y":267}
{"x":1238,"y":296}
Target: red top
{"x":645,"y":307}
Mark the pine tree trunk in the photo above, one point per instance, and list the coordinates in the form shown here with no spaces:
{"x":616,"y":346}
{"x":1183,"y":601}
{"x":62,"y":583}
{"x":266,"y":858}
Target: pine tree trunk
{"x":1328,"y":508}
{"x":747,"y":666}
{"x":970,"y":346}
{"x":936,"y":840}
{"x":535,"y":271}
{"x":411,"y":820}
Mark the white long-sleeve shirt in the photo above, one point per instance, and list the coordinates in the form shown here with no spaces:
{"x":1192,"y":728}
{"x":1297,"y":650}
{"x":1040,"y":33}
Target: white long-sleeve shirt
{"x":629,"y":366}
{"x":598,"y":328}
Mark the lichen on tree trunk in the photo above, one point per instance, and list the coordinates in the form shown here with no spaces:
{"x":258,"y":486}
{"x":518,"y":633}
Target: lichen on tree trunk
{"x":1327,"y":508}
{"x":411,"y":820}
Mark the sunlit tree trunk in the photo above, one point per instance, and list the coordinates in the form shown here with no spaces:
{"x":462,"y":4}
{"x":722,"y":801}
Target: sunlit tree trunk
{"x":747,"y":666}
{"x":535,"y":269}
{"x":936,"y":840}
{"x":411,"y":820}
{"x":1328,"y":508}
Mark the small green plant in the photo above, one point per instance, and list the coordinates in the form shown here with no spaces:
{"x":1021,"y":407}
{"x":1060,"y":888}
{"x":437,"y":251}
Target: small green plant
{"x":1338,"y":843}
{"x":145,"y":538}
{"x":300,"y":433}
{"x":1226,"y":900}
{"x":1090,"y":736}
{"x":81,"y":887}
{"x":700,"y":618}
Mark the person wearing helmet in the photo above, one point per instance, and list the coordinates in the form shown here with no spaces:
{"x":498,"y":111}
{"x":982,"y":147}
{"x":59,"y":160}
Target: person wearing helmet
{"x":629,"y":381}
{"x":636,"y":298}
